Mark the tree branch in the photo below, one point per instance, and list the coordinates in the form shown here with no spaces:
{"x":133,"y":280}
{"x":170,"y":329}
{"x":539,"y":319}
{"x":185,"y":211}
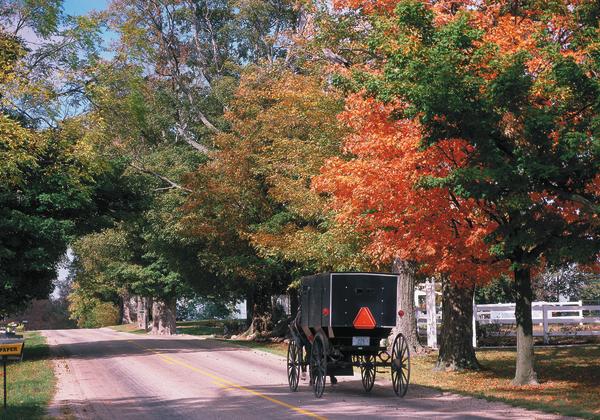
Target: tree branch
{"x":172,"y":184}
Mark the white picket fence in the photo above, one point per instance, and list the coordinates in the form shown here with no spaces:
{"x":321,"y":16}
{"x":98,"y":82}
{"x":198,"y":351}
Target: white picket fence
{"x":545,"y":314}
{"x":574,"y":317}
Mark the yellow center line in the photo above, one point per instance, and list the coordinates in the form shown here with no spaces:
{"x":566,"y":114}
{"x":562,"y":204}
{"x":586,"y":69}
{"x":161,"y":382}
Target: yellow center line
{"x":225,"y":383}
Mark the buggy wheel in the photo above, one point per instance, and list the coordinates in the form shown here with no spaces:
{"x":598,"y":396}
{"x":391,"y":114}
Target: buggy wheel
{"x":400,"y":365}
{"x":318,"y":366}
{"x":294,"y":362}
{"x":367,"y":371}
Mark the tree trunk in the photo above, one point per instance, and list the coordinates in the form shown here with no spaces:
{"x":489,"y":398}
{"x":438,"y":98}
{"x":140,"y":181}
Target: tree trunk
{"x":456,"y":345}
{"x":148,"y":305}
{"x":126,"y":311}
{"x":139,"y":310}
{"x":163,"y":317}
{"x":406,"y":324}
{"x":261,"y":322}
{"x":142,"y":312}
{"x":525,"y":372}
{"x":133,"y":309}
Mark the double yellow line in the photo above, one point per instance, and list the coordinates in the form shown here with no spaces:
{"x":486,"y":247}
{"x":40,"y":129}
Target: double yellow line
{"x":225,"y":383}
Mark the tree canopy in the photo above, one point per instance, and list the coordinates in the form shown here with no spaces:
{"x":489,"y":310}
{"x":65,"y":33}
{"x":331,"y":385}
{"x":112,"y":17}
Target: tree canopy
{"x":224,"y":149}
{"x":514,"y":88}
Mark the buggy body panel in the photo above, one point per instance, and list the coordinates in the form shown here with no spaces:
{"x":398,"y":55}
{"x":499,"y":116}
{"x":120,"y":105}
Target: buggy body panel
{"x":334,"y":299}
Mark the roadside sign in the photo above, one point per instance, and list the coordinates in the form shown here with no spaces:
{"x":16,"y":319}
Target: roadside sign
{"x":10,"y":349}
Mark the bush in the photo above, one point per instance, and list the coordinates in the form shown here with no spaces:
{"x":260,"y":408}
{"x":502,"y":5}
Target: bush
{"x":91,"y":312}
{"x":104,"y":314}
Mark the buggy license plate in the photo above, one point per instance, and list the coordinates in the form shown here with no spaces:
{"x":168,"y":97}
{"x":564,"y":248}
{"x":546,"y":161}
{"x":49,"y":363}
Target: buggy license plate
{"x":360,"y":341}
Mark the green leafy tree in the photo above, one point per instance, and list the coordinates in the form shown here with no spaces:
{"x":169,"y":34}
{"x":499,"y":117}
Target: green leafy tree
{"x":525,"y":100}
{"x":52,"y":75}
{"x":47,"y":193}
{"x":52,"y":183}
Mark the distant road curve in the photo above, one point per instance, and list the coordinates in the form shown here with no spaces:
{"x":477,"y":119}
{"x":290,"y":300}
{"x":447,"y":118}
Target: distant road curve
{"x":104,"y":374}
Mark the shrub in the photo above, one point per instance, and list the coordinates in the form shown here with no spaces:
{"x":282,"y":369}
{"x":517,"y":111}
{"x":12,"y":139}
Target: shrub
{"x":92,"y":312}
{"x":105,"y":314}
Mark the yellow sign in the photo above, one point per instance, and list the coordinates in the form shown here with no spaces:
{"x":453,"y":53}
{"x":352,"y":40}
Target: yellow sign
{"x":12,"y":349}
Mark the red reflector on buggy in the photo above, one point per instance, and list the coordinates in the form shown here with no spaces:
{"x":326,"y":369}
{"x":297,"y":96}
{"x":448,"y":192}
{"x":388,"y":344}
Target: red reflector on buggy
{"x":400,"y":313}
{"x":325,"y":311}
{"x":364,"y":319}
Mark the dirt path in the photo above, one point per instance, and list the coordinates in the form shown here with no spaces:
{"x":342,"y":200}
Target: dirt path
{"x":103,"y":374}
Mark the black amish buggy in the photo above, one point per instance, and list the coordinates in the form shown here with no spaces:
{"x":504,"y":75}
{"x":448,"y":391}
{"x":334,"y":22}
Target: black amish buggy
{"x":343,"y":323}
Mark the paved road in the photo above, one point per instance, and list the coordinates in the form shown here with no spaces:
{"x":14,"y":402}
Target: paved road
{"x":105,"y":374}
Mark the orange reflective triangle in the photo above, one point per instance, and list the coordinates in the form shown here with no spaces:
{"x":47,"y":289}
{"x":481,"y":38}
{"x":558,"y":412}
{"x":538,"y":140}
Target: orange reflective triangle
{"x":364,"y":319}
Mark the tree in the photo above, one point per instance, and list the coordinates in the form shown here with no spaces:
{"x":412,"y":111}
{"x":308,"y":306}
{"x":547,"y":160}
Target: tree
{"x":431,"y":230}
{"x":253,"y":199}
{"x":47,"y":190}
{"x":567,"y":281}
{"x":115,"y":262}
{"x":196,"y":49}
{"x":227,"y":199}
{"x":50,"y":168}
{"x":516,"y":84}
{"x":163,"y":96}
{"x":499,"y":290}
{"x":290,"y":121}
{"x":405,"y":299}
{"x":58,"y":49}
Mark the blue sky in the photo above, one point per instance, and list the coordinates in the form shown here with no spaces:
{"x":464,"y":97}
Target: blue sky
{"x":81,"y":7}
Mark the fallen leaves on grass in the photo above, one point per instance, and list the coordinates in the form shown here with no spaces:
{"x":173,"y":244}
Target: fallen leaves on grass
{"x":569,"y":379}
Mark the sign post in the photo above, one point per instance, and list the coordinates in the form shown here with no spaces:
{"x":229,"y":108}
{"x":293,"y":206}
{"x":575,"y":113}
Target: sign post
{"x":10,"y":349}
{"x":4,"y":365}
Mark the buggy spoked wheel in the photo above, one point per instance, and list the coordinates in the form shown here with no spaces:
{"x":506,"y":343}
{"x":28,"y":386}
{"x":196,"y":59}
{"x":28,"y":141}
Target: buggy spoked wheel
{"x":400,"y":365}
{"x":367,"y":371}
{"x":318,"y":366}
{"x":294,"y":362}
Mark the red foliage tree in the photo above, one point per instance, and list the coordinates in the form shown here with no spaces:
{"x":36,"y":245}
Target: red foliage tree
{"x":378,"y":190}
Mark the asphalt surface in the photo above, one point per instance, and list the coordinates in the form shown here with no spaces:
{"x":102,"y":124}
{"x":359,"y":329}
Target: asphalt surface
{"x":104,"y":374}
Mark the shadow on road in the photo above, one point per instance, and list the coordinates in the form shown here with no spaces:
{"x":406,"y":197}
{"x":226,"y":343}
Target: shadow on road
{"x":107,"y":347}
{"x":232,"y":403}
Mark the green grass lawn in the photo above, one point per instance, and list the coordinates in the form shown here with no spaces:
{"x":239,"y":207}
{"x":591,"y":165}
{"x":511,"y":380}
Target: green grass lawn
{"x":204,"y":327}
{"x":31,"y":382}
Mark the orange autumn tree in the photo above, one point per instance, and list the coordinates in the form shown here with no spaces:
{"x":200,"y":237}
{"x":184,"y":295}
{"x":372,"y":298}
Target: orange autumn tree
{"x":377,"y":189}
{"x":252,"y":203}
{"x":516,"y":83}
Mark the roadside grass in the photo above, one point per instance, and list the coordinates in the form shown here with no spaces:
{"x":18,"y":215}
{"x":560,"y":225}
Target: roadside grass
{"x":569,"y":376}
{"x":203,"y":327}
{"x":569,"y":379}
{"x":31,"y":383}
{"x":130,"y":328}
